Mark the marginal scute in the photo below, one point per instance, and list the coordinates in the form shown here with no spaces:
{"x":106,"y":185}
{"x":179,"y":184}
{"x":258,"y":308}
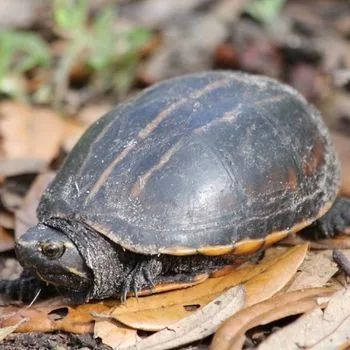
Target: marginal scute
{"x":248,"y":246}
{"x":275,"y":237}
{"x":178,"y":251}
{"x":216,"y":250}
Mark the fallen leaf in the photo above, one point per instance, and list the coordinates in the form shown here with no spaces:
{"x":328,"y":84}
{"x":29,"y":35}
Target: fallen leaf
{"x":315,"y":271}
{"x":7,"y":220}
{"x":115,"y":334}
{"x":158,"y":311}
{"x":4,"y":332}
{"x":74,"y":129}
{"x":26,"y":215}
{"x":52,"y":315}
{"x":161,"y":310}
{"x":274,"y":278}
{"x":7,"y":241}
{"x":72,"y":133}
{"x":327,"y":329}
{"x":231,"y":335}
{"x":91,"y":113}
{"x":30,"y":138}
{"x":199,"y":325}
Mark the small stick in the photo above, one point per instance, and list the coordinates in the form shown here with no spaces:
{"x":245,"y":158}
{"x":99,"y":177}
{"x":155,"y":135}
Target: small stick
{"x":342,"y":261}
{"x":34,"y":300}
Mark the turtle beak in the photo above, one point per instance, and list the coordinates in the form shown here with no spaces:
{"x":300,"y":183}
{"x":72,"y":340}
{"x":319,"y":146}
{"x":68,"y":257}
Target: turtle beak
{"x":24,"y":253}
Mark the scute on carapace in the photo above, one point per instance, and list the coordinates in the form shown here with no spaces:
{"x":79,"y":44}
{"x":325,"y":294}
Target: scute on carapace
{"x":198,"y":163}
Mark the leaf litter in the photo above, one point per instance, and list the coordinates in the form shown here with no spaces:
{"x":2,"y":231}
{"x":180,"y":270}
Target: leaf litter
{"x":159,"y":311}
{"x":7,"y":241}
{"x":317,"y":329}
{"x":199,"y":325}
{"x":30,"y":138}
{"x":261,"y":282}
{"x":231,"y":335}
{"x":315,"y":271}
{"x":114,"y":334}
{"x":25,"y":216}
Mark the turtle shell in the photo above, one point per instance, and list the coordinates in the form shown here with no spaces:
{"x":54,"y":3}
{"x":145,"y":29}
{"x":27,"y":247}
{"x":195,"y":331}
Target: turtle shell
{"x":199,"y":164}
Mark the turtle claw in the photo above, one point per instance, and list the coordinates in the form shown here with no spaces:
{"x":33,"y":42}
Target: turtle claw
{"x":335,"y":221}
{"x":141,"y":276}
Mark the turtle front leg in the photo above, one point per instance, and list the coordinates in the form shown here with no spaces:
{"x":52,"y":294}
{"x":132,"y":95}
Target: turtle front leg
{"x":141,"y":276}
{"x":25,"y":288}
{"x":335,"y":220}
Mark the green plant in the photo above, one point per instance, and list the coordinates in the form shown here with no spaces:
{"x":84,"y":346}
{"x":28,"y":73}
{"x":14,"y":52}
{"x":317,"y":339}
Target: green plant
{"x":19,"y":53}
{"x":264,"y":10}
{"x":112,"y":56}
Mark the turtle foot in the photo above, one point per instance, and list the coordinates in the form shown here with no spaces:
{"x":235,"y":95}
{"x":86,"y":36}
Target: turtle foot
{"x":141,"y":276}
{"x":335,"y":221}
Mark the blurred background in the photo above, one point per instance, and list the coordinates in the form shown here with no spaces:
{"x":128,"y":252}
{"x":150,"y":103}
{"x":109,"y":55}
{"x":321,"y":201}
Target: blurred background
{"x":64,"y":63}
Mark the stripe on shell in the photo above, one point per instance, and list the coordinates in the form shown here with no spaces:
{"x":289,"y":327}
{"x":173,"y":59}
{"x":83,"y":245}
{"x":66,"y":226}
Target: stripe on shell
{"x":148,"y":129}
{"x":142,"y":180}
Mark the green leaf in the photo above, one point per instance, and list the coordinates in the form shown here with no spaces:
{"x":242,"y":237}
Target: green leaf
{"x":124,"y":76}
{"x":136,"y":38}
{"x":62,"y":16}
{"x":71,"y":15}
{"x":103,"y":40}
{"x":103,"y":24}
{"x":264,"y":10}
{"x":21,"y":51}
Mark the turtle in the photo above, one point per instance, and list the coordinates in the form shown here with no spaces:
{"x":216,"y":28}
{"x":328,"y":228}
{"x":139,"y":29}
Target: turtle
{"x":179,"y":181}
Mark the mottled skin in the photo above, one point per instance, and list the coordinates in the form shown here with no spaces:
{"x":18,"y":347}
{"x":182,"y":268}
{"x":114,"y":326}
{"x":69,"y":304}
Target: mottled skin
{"x":114,"y":273}
{"x":196,"y":164}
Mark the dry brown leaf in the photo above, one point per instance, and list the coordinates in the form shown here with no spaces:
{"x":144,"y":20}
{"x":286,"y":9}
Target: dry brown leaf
{"x":26,"y":215}
{"x":158,"y":311}
{"x":316,"y":270}
{"x":52,"y":315}
{"x":199,"y":325}
{"x":72,"y":132}
{"x":327,"y":329}
{"x":7,"y":241}
{"x":161,"y":310}
{"x":30,"y":138}
{"x":74,"y":129}
{"x":231,"y":335}
{"x":4,"y":332}
{"x":7,"y":220}
{"x":115,"y":334}
{"x":342,"y":146}
{"x":274,"y":278}
{"x":91,"y":113}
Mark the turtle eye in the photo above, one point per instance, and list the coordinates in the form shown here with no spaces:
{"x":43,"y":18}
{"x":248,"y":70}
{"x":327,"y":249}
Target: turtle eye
{"x":53,"y":250}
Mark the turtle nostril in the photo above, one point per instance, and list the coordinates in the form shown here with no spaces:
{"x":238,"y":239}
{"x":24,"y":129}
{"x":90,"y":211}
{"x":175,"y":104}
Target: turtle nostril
{"x":19,"y":250}
{"x":23,"y":253}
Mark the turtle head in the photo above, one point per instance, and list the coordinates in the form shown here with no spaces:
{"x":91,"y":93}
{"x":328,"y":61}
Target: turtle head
{"x":53,"y":257}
